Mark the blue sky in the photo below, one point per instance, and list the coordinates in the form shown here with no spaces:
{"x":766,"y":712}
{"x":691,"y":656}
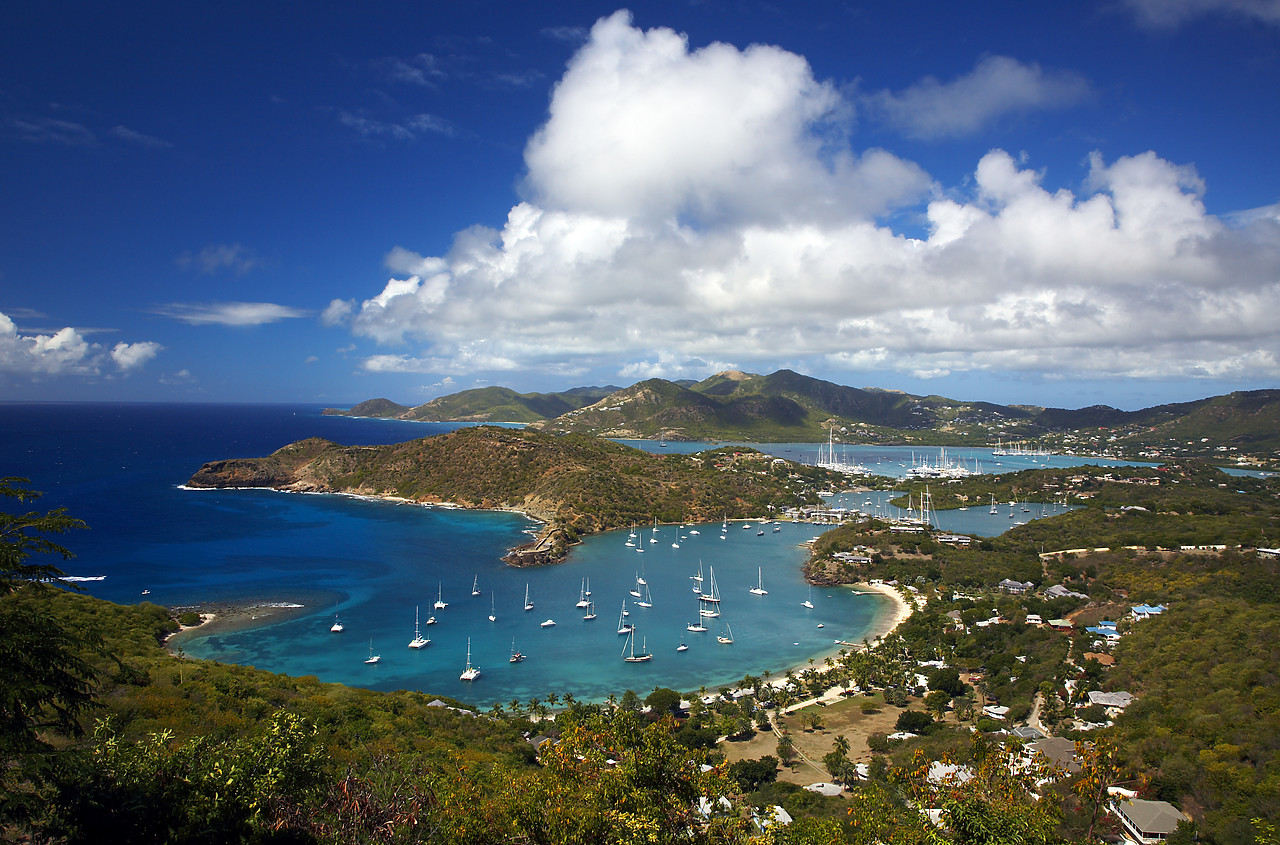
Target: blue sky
{"x":1054,"y":204}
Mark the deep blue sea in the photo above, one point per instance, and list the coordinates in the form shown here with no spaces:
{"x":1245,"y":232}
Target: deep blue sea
{"x":120,"y":468}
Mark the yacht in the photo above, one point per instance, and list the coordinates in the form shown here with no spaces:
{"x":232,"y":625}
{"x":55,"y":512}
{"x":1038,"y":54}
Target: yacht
{"x":528,"y":605}
{"x":440,"y":603}
{"x":471,"y":672}
{"x":336,"y":627}
{"x":759,"y":589}
{"x":629,"y":650}
{"x":418,"y":640}
{"x":373,"y":658}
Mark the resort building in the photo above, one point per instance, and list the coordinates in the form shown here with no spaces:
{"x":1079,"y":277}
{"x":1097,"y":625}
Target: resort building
{"x":1147,"y":822}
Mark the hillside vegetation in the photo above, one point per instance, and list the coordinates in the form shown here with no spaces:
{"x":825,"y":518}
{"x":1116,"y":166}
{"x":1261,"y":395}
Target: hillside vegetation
{"x":789,"y":407}
{"x":576,"y":484}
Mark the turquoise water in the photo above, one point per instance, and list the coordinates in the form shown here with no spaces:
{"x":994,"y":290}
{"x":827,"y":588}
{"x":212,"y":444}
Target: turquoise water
{"x":422,"y":554}
{"x":120,"y":468}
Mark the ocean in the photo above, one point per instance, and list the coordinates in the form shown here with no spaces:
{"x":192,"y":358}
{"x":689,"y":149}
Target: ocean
{"x":372,"y":564}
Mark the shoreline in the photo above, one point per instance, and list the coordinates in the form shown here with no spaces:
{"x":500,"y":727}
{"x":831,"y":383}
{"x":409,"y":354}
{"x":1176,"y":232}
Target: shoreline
{"x":229,"y":617}
{"x":880,"y":628}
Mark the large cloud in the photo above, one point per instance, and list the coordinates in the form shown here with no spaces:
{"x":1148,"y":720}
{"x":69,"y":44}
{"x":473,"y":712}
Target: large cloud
{"x":695,"y":209}
{"x":66,"y":352}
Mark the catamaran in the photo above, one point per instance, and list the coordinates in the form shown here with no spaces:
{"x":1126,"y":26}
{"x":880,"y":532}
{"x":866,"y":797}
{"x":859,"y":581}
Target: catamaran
{"x":440,"y":604}
{"x":471,"y":672}
{"x":336,"y":627}
{"x":759,"y":589}
{"x":418,"y":640}
{"x":629,"y":650}
{"x":591,"y":612}
{"x":516,"y":657}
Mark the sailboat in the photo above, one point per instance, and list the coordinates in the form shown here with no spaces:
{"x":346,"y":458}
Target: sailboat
{"x":697,"y":579}
{"x":475,"y":586}
{"x":759,"y":589}
{"x":629,"y":650}
{"x":993,"y":504}
{"x":653,"y":538}
{"x":471,"y":672}
{"x":440,"y":604}
{"x":582,"y":595}
{"x":809,"y":601}
{"x":725,"y":636}
{"x":516,"y":657}
{"x":647,"y":601}
{"x":418,"y":640}
{"x":696,"y":626}
{"x":493,"y":615}
{"x":336,"y":627}
{"x":373,"y":658}
{"x":712,"y":595}
{"x":528,"y":605}
{"x":624,"y":627}
{"x":591,"y":612}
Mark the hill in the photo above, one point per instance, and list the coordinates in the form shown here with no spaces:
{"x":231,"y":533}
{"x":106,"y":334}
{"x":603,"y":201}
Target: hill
{"x":482,"y":404}
{"x":788,"y":406}
{"x":575,"y":484}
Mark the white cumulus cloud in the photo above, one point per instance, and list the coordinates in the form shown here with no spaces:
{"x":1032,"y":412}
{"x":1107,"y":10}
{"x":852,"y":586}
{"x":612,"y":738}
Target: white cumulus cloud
{"x":66,"y":352}
{"x":693,"y":210}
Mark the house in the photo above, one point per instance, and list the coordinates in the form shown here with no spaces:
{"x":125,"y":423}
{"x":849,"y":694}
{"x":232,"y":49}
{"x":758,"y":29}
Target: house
{"x":995,"y":711}
{"x":1100,"y":657}
{"x":1034,"y":619}
{"x":828,"y":789}
{"x":1058,"y":591}
{"x":1147,"y":822}
{"x":1008,"y":585}
{"x":1056,"y":751}
{"x":955,"y":539}
{"x":1146,"y":611}
{"x":1061,"y":624}
{"x":940,"y":772}
{"x":1116,"y":700}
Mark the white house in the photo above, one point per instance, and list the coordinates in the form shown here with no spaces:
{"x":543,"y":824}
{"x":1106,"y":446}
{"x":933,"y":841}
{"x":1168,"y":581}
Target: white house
{"x":1147,"y":822}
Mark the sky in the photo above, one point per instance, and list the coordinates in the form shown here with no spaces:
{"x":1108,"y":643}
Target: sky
{"x":1058,"y":204}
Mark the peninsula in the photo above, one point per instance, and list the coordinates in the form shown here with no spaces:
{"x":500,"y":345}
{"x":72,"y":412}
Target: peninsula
{"x":574,"y":484}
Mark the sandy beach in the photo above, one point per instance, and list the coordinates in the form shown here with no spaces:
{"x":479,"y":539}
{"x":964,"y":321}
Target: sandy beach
{"x":902,"y":612}
{"x":225,"y":617}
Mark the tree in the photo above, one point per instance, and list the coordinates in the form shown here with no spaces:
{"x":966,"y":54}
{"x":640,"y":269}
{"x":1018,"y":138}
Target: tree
{"x":914,"y":721}
{"x":786,"y":749}
{"x":663,"y":701}
{"x":937,"y":702}
{"x":45,"y":682}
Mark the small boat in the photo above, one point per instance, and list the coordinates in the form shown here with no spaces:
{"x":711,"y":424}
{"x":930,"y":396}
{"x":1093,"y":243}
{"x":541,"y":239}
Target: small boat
{"x":528,"y":605}
{"x":682,"y":647}
{"x":820,"y":625}
{"x":759,"y":589}
{"x":760,"y":533}
{"x":725,"y":636}
{"x":550,"y":623}
{"x":629,"y":650}
{"x":146,"y":592}
{"x":373,"y":658}
{"x":431,"y":620}
{"x":418,"y":640}
{"x":675,"y":545}
{"x":337,"y":626}
{"x":694,"y":531}
{"x":624,"y":627}
{"x":471,"y":672}
{"x":475,"y":586}
{"x":516,"y":657}
{"x":493,"y":615}
{"x":776,"y":528}
{"x":591,"y":612}
{"x":440,"y":603}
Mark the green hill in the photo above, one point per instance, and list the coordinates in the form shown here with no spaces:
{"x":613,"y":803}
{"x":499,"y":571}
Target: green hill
{"x":575,"y":484}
